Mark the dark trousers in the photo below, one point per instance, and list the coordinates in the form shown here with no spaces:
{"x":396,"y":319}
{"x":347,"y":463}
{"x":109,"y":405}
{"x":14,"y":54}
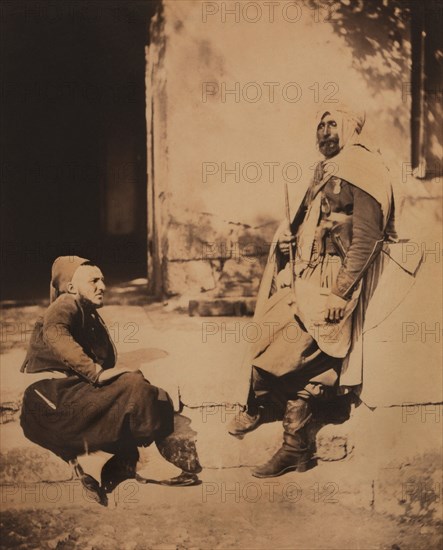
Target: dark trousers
{"x":273,"y":392}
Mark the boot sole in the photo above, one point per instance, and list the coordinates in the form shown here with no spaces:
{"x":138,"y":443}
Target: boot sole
{"x":296,"y":468}
{"x":241,"y":433}
{"x":178,"y":481}
{"x":93,"y":490}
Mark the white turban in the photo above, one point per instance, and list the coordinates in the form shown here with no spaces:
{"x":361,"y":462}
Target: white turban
{"x":349,"y":123}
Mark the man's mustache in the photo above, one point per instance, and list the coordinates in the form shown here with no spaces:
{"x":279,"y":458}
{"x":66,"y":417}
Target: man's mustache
{"x":328,"y":140}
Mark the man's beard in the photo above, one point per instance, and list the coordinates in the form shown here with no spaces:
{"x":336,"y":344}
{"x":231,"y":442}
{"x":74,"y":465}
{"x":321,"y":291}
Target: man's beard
{"x":88,"y":304}
{"x":329,"y":147}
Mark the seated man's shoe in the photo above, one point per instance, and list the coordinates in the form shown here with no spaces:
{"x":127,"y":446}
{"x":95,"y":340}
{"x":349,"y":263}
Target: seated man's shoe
{"x":93,"y":490}
{"x":181,"y":452}
{"x":90,"y":485}
{"x":244,"y":423}
{"x":185,"y":479}
{"x":282,"y":462}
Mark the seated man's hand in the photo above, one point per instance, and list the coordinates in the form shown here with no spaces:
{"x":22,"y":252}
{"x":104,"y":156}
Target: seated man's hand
{"x":335,"y":308}
{"x":109,"y":374}
{"x":285,"y":240}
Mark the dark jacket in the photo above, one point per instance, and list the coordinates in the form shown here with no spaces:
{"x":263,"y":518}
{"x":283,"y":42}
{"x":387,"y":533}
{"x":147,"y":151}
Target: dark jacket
{"x":72,"y":339}
{"x":358,"y":239}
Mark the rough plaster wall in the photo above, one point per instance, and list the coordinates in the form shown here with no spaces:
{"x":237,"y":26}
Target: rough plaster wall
{"x":305,"y":52}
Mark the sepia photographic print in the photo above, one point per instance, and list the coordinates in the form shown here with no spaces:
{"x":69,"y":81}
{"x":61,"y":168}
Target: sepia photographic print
{"x":221,"y":274}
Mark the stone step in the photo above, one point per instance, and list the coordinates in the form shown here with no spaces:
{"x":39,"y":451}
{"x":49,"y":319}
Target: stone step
{"x":223,"y":307}
{"x":208,"y":428}
{"x":409,"y":489}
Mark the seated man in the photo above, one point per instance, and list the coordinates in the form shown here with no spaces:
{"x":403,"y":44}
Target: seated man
{"x":96,"y":406}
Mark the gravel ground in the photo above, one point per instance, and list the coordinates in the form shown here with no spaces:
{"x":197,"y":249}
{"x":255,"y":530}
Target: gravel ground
{"x":229,"y":510}
{"x":238,"y":525}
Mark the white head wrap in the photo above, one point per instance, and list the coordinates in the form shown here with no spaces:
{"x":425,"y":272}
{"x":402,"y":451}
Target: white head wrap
{"x":349,"y":123}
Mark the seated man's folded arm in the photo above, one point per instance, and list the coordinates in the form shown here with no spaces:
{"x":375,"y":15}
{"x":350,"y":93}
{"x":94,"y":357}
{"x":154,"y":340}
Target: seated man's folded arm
{"x":366,"y":244}
{"x":57,"y":333}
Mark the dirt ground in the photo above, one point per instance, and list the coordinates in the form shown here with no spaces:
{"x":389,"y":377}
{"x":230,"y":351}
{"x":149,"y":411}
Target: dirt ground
{"x":229,"y":510}
{"x":281,"y":524}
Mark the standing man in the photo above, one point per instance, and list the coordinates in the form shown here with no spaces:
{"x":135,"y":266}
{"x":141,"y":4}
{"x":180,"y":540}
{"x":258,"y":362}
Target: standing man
{"x":96,"y":406}
{"x":312,"y":298}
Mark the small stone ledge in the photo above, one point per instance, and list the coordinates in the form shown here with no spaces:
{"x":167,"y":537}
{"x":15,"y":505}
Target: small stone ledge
{"x":32,"y":464}
{"x":10,"y":411}
{"x":226,"y":307}
{"x":331,"y":447}
{"x":406,"y":487}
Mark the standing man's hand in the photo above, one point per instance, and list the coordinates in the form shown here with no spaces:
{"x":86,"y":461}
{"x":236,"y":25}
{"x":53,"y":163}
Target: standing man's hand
{"x":286,"y":240}
{"x":335,"y":308}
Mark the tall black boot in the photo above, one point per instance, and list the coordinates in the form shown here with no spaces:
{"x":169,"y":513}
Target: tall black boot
{"x":262,"y":406}
{"x":295,"y":453}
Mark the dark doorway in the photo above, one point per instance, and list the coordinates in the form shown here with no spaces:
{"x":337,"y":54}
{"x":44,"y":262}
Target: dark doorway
{"x":73,"y":138}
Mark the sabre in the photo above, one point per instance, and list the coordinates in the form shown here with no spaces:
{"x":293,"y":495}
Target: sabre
{"x":291,"y":252}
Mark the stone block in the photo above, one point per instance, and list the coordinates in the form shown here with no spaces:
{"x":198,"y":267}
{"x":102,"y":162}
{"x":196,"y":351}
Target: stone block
{"x":221,"y":307}
{"x":207,"y":253}
{"x":187,"y":239}
{"x":23,"y":462}
{"x":189,"y":277}
{"x":203,"y":236}
{"x":218,"y":449}
{"x":10,"y":410}
{"x":240,"y":277}
{"x":411,"y":488}
{"x":332,"y":443}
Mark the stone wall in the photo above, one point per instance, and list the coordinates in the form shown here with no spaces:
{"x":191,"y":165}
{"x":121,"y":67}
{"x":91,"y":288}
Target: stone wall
{"x":209,"y":255}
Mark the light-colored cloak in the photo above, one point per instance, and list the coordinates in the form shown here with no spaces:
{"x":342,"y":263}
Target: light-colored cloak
{"x":384,"y":286}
